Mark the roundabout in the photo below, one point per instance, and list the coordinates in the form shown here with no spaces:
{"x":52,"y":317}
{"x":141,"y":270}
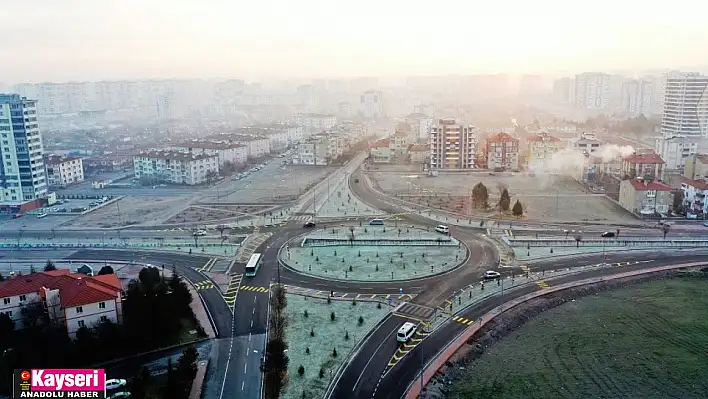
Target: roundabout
{"x":373,"y":253}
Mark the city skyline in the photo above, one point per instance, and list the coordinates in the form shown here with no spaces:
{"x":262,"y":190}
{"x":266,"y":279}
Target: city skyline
{"x":84,"y":40}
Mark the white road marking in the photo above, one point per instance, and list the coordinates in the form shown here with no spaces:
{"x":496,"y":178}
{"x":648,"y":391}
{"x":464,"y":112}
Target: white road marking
{"x":251,"y":323}
{"x":242,"y":384}
{"x":245,"y":367}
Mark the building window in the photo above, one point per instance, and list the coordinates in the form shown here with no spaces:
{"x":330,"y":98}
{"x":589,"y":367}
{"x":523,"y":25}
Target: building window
{"x":79,"y":309}
{"x":6,"y":301}
{"x":104,"y":319}
{"x":22,"y":297}
{"x":101,"y":305}
{"x":81,"y":323}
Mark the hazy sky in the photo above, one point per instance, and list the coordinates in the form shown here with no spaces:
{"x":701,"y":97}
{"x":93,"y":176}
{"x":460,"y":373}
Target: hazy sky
{"x":59,"y":40}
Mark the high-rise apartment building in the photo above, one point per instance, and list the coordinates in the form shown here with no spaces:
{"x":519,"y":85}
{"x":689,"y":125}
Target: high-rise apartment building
{"x":22,"y":175}
{"x":684,"y":124}
{"x":593,"y":90}
{"x":637,"y":96}
{"x":564,"y":91}
{"x":371,"y":103}
{"x":452,"y":145}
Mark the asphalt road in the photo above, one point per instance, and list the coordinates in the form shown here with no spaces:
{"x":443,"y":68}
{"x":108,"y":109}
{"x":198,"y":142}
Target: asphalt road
{"x":369,"y":376}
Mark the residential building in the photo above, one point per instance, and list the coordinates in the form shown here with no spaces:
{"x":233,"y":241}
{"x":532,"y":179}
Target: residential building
{"x":308,"y":97}
{"x":344,"y":109}
{"x":564,"y":91}
{"x":107,"y":163}
{"x":587,"y":143}
{"x":73,"y":300}
{"x":452,"y":145}
{"x":541,"y":149}
{"x":645,"y":196}
{"x":371,"y":104}
{"x":63,"y":171}
{"x":427,"y":109}
{"x":420,"y":125}
{"x":311,"y":122}
{"x":280,"y":135}
{"x":419,"y":153}
{"x":257,"y":146}
{"x":641,"y":164}
{"x":23,"y":181}
{"x":314,"y":151}
{"x":176,"y":167}
{"x":401,"y":139}
{"x":502,"y":152}
{"x":637,"y":96}
{"x":694,"y":197}
{"x":696,"y":167}
{"x":592,"y":91}
{"x":225,"y":151}
{"x":676,"y":150}
{"x":381,"y":151}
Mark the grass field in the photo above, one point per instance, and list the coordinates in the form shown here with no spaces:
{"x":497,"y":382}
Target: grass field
{"x":646,"y":341}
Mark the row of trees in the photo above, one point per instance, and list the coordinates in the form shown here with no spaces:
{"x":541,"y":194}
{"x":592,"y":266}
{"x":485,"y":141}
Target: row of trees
{"x":480,"y":200}
{"x":276,"y":361}
{"x":155,"y":311}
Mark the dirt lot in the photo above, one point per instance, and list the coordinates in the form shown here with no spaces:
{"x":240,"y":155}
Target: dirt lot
{"x":132,"y":211}
{"x":555,"y":198}
{"x":204,"y":214}
{"x":274,"y":183}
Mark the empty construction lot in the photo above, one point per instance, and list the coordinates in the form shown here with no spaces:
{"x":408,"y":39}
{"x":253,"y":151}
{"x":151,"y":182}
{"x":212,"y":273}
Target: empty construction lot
{"x":544,"y":197}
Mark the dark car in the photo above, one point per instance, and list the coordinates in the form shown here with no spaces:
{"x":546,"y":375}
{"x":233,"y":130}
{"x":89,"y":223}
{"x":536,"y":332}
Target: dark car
{"x":608,"y":234}
{"x":309,"y":225}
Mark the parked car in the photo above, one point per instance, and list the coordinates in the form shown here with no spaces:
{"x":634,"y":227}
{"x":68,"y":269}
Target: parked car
{"x":309,"y":224}
{"x":491,"y":274}
{"x":608,"y":234}
{"x":115,"y":383}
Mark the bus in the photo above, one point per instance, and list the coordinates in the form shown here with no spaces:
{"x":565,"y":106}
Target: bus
{"x":253,"y":264}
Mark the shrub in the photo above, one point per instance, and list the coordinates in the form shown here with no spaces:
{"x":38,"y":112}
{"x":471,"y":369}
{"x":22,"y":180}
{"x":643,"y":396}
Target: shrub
{"x":331,"y":316}
{"x":312,"y":332}
{"x":334,"y":352}
{"x":306,"y":315}
{"x":321,"y":372}
{"x":301,"y":370}
{"x":378,"y":305}
{"x":329,"y":300}
{"x":307,"y":350}
{"x":346,"y":335}
{"x":354,"y":302}
{"x":361,"y":319}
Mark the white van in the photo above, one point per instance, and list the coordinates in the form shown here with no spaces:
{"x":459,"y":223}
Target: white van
{"x":443,"y":229}
{"x":406,"y":332}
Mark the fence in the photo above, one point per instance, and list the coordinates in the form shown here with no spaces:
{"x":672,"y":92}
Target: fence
{"x":570,"y":242}
{"x":326,"y":242}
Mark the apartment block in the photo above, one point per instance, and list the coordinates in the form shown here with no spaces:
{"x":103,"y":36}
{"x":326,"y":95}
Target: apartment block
{"x":313,"y":151}
{"x":71,"y":299}
{"x":371,"y":104}
{"x":642,"y":164}
{"x":176,"y":167}
{"x":593,"y":91}
{"x":541,"y":149}
{"x":452,"y":145}
{"x":224,"y":151}
{"x":63,"y":171}
{"x":23,"y":179}
{"x":587,"y":144}
{"x":645,"y":196}
{"x":312,"y":122}
{"x":637,"y":97}
{"x":502,"y":152}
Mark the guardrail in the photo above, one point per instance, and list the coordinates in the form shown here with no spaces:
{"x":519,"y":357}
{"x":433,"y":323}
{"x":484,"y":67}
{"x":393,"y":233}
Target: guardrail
{"x":434,"y":364}
{"x":609,"y":242}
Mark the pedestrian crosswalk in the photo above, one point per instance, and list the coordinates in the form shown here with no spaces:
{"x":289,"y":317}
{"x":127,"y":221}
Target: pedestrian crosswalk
{"x":462,"y":320}
{"x":207,"y":266}
{"x":303,"y":218}
{"x":414,"y":312}
{"x":204,"y":285}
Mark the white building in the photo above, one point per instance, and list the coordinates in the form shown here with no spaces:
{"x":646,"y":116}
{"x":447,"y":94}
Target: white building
{"x":426,"y":109}
{"x":371,"y":104}
{"x":311,"y":122}
{"x":381,"y":151}
{"x":258,"y":146}
{"x":587,"y":143}
{"x":420,"y":125}
{"x":22,"y":171}
{"x":176,"y":167}
{"x":63,"y":171}
{"x":226,"y":152}
{"x":313,"y":151}
{"x":71,"y":299}
{"x":684,"y":124}
{"x":637,"y":96}
{"x":281,"y":135}
{"x":564,"y":91}
{"x":592,"y":91}
{"x":453,"y":145}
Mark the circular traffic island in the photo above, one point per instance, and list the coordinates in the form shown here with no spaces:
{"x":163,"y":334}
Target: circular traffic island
{"x":373,"y":253}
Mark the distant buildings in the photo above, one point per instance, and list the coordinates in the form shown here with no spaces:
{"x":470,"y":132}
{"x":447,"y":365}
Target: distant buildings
{"x":381,"y":151}
{"x":452,"y":145}
{"x":637,"y":97}
{"x":502,"y":152}
{"x":427,"y":109}
{"x":371,"y":104}
{"x":541,"y":149}
{"x":72,"y":300}
{"x":257,"y":146}
{"x":592,"y":91}
{"x":312,"y":122}
{"x":420,"y":125}
{"x":645,"y":196}
{"x":225,"y":152}
{"x":23,"y":181}
{"x":564,"y":91}
{"x":63,"y":171}
{"x":684,"y":125}
{"x":419,"y":153}
{"x":176,"y":167}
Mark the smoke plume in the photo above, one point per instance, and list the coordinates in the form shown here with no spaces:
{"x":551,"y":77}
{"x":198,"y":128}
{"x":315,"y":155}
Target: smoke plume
{"x":571,"y":163}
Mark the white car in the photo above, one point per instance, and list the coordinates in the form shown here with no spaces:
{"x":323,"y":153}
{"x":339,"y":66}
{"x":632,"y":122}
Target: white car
{"x":200,"y":233}
{"x":115,"y":383}
{"x":491,"y":274}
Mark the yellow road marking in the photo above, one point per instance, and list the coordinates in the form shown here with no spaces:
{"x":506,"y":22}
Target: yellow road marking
{"x":358,"y":296}
{"x":373,"y":296}
{"x":407,"y":317}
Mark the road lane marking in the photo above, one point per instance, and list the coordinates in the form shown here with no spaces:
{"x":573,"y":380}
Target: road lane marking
{"x":542,"y":284}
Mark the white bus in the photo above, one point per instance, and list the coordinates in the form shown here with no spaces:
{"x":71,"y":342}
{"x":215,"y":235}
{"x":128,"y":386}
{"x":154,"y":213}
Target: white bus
{"x":253,"y":264}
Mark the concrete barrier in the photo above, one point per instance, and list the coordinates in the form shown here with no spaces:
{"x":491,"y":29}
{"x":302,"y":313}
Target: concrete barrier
{"x":432,"y":367}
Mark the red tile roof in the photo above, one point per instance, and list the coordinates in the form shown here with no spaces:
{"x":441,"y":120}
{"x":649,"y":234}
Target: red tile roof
{"x":653,"y":185}
{"x":382,"y":144}
{"x":502,"y":138}
{"x":699,"y":184}
{"x":645,"y":159}
{"x":74,"y":289}
{"x":418,"y":147}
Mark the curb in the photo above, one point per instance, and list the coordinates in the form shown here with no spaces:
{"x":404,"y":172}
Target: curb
{"x":434,"y":364}
{"x":166,"y":348}
{"x":340,"y":370}
{"x":595,"y":253}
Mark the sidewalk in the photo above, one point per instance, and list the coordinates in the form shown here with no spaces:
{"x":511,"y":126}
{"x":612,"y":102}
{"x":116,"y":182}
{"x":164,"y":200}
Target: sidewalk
{"x":198,"y":382}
